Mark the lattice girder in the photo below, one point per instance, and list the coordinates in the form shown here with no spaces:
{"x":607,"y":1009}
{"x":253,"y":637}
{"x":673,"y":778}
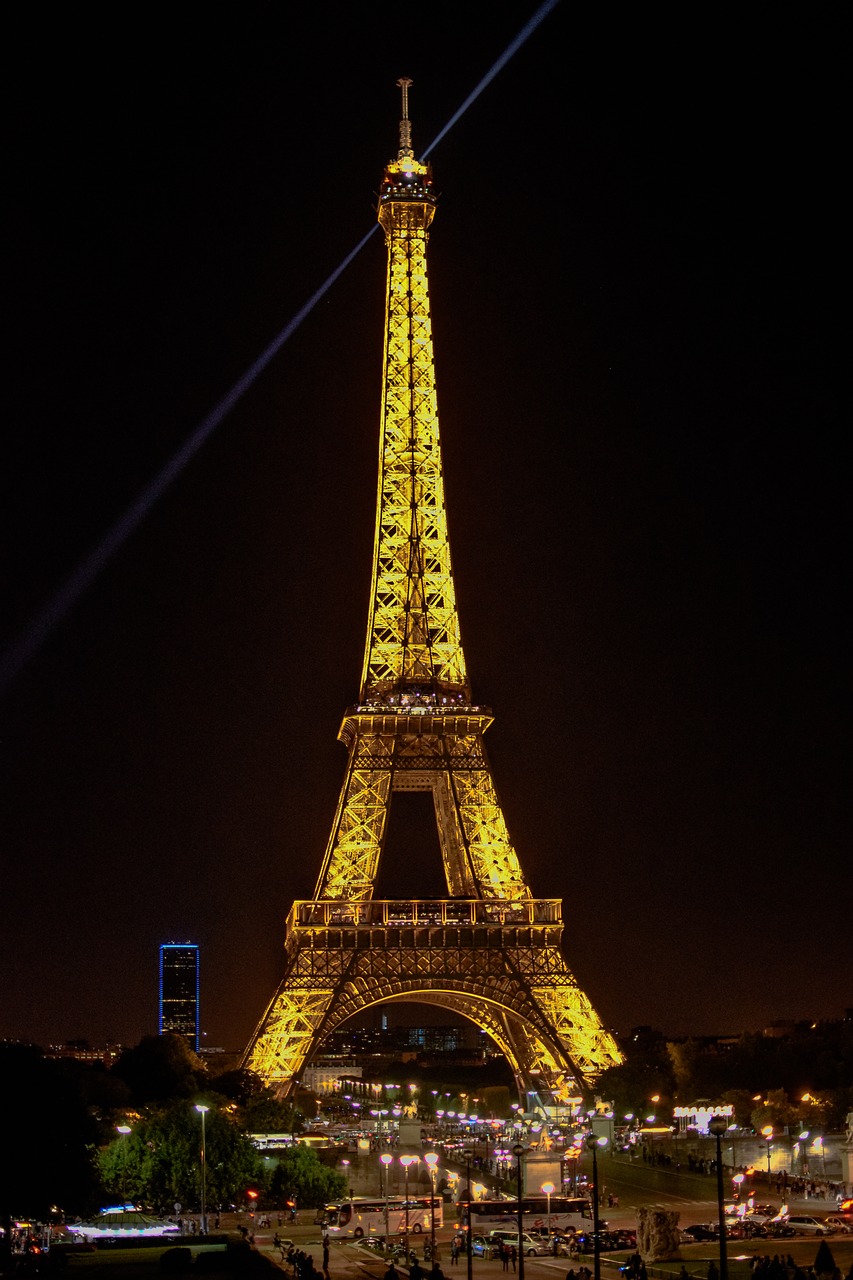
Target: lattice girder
{"x":485,"y":970}
{"x":413,"y":636}
{"x":447,"y":753}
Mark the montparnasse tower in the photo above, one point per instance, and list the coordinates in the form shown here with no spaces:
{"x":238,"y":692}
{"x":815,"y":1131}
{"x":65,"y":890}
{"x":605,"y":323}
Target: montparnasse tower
{"x":490,"y":951}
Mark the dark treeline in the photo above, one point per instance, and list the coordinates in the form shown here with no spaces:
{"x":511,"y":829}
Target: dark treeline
{"x":804,"y":1077}
{"x":63,"y":1154}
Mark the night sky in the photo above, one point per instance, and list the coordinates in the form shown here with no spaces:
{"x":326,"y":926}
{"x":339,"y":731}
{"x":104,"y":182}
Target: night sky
{"x":635,"y":280}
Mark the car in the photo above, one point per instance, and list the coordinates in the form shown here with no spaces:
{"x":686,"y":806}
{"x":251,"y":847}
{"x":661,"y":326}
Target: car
{"x":743,"y":1229}
{"x":761,"y":1213}
{"x":801,"y":1223}
{"x":481,"y":1247}
{"x":532,"y":1247}
{"x":608,"y":1241}
{"x":699,"y":1233}
{"x":556,"y":1242}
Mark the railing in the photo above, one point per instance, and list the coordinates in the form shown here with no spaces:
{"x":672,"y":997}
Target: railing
{"x":379,"y":913}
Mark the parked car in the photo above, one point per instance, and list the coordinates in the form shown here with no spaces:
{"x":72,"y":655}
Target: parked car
{"x":761,"y":1213}
{"x":608,"y":1241}
{"x":532,"y":1247}
{"x":840,"y":1224}
{"x":700,"y":1233}
{"x":556,"y":1242}
{"x":801,"y":1223}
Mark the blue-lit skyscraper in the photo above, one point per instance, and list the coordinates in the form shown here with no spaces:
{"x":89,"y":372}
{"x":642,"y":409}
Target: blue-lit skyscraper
{"x":179,"y":991}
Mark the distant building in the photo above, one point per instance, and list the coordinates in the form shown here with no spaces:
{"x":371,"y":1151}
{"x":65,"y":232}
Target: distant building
{"x":82,"y":1051}
{"x":179,"y":969}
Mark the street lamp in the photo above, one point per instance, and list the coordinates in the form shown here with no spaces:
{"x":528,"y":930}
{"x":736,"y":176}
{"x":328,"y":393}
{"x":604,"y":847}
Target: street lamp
{"x":518,"y":1151}
{"x":406,"y":1161}
{"x":592,"y":1144}
{"x":768,"y":1133}
{"x":818,"y":1146}
{"x":124,"y":1130}
{"x":717,"y":1126}
{"x":384,"y":1161}
{"x":803,"y":1138}
{"x":549,"y":1189}
{"x":467,"y":1155}
{"x":203,"y":1110}
{"x":431,"y":1159}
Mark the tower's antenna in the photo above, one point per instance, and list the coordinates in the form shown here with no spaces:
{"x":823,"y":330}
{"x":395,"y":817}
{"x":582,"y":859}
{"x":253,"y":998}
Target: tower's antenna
{"x":406,"y":151}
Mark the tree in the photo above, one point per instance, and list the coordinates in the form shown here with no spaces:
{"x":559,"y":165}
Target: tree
{"x":159,"y":1163}
{"x":266,"y":1114}
{"x":301,"y":1175}
{"x":775,"y":1110}
{"x":48,"y":1136}
{"x":632,"y":1084}
{"x":494,"y":1100}
{"x":159,"y":1069}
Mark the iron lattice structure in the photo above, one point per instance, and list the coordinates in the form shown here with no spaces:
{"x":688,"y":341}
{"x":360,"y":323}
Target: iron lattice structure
{"x":491,"y":951}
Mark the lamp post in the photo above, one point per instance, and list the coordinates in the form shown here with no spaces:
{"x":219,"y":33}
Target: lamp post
{"x":592,"y":1144}
{"x":549,"y":1189}
{"x":468,"y":1155}
{"x":802,"y":1139}
{"x":203,"y":1110}
{"x":406,"y":1161}
{"x":717,"y":1126}
{"x":768,"y":1134}
{"x":518,"y":1151}
{"x":124,"y":1130}
{"x":431,"y":1159}
{"x":385,"y":1160}
{"x":819,"y":1146}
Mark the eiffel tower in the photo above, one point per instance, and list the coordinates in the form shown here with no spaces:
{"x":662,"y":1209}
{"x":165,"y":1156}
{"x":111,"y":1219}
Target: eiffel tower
{"x":490,"y":951}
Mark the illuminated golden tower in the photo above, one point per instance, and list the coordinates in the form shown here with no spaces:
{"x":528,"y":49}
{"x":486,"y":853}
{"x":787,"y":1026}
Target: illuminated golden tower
{"x":490,"y":951}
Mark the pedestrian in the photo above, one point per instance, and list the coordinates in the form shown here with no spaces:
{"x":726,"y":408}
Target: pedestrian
{"x":391,"y":1273}
{"x":454,"y":1251}
{"x":326,"y":1256}
{"x":416,"y":1271}
{"x":713,"y":1273}
{"x":513,"y":1255}
{"x":436,"y":1273}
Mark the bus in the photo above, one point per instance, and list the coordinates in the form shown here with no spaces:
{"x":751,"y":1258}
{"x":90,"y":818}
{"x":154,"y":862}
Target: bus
{"x":369,"y":1216}
{"x":567,"y":1213}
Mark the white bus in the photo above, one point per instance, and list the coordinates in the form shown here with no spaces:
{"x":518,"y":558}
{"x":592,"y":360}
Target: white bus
{"x":366,"y":1216}
{"x":567,"y":1213}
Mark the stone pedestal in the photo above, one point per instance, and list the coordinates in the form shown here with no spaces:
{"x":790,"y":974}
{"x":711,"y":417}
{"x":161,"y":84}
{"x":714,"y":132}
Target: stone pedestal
{"x":657,"y":1234}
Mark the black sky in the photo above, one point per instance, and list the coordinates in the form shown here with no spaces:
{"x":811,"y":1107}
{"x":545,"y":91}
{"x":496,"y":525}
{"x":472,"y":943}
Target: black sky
{"x":635,"y":274}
